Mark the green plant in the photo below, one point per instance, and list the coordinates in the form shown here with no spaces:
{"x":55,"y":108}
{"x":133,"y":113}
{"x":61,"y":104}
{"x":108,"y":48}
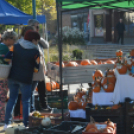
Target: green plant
{"x":77,"y":53}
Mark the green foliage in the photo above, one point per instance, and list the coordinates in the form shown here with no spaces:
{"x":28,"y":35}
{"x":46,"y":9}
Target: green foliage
{"x":77,"y":53}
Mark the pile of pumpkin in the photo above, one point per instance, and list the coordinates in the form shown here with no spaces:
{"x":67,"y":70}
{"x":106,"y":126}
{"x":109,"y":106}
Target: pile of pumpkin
{"x":51,"y":86}
{"x":95,"y":127}
{"x":84,"y":62}
{"x":81,"y":99}
{"x":106,"y":82}
{"x":125,"y":64}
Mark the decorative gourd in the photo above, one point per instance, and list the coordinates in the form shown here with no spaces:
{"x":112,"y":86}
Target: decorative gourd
{"x":110,"y":124}
{"x":93,"y":62}
{"x":71,"y":64}
{"x":108,"y":130}
{"x":132,"y":53}
{"x":85,"y":62}
{"x":97,"y":73}
{"x":46,"y":122}
{"x":119,"y":53}
{"x":108,"y":87}
{"x":73,"y":105}
{"x":50,"y":86}
{"x":57,"y":63}
{"x":122,"y":69}
{"x":110,"y":62}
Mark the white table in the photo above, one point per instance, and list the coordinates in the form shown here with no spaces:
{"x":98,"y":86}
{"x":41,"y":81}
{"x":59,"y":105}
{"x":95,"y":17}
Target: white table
{"x":124,"y":87}
{"x":79,"y":113}
{"x":102,"y":98}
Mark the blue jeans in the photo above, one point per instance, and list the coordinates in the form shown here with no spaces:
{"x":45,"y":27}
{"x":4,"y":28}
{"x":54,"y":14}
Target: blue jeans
{"x":14,"y":87}
{"x":34,"y":85}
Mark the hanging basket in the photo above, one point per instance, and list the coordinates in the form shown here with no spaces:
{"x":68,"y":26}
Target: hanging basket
{"x":4,"y":71}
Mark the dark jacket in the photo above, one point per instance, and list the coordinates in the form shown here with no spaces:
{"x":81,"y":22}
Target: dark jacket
{"x":23,"y":64}
{"x":120,"y":27}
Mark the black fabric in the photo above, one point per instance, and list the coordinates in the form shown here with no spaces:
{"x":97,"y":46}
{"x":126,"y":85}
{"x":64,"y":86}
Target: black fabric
{"x":121,"y":36}
{"x":23,"y":64}
{"x":17,"y":107}
{"x":120,"y":27}
{"x":42,"y":93}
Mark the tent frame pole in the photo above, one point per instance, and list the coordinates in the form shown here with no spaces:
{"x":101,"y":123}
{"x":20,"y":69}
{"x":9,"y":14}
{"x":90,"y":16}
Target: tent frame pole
{"x":59,"y":29}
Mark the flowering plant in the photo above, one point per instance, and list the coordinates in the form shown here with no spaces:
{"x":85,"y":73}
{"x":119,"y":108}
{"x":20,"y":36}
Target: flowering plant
{"x":71,"y":36}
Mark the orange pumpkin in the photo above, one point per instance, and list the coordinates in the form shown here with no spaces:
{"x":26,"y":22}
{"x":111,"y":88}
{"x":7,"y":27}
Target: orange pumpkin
{"x":96,"y":88}
{"x":119,"y":53}
{"x":80,"y":94}
{"x":132,"y":52}
{"x":108,"y":87}
{"x":122,"y":69}
{"x":50,"y":86}
{"x":116,"y":106}
{"x":110,"y":62}
{"x":71,"y":64}
{"x":57,"y":63}
{"x":100,"y":62}
{"x":110,"y":79}
{"x":97,"y":73}
{"x":73,"y":105}
{"x":110,"y":72}
{"x":89,"y":126}
{"x":57,"y":85}
{"x":93,"y":62}
{"x":98,"y":81}
{"x":85,"y":62}
{"x":93,"y":130}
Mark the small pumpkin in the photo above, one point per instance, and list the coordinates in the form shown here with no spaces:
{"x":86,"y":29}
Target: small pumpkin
{"x":57,"y":85}
{"x":110,"y":73}
{"x":97,"y":80}
{"x":50,"y":86}
{"x":96,"y":88}
{"x":73,"y":105}
{"x":93,"y":62}
{"x":119,"y":53}
{"x":97,"y":73}
{"x":85,"y":62}
{"x":57,"y":63}
{"x":92,"y":130}
{"x":100,"y":62}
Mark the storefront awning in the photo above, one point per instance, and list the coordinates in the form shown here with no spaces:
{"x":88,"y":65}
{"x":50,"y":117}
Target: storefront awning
{"x":96,"y":4}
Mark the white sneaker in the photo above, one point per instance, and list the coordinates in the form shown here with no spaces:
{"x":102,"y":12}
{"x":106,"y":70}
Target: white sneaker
{"x":7,"y":126}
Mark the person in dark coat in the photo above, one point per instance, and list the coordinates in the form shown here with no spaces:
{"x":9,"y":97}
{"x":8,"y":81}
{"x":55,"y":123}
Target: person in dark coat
{"x":120,"y":27}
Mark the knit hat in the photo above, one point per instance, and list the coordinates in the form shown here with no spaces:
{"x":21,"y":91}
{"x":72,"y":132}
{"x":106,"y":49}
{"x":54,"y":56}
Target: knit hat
{"x":31,"y":35}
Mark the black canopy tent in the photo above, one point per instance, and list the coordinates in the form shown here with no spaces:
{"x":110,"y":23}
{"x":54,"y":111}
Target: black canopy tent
{"x":68,"y":5}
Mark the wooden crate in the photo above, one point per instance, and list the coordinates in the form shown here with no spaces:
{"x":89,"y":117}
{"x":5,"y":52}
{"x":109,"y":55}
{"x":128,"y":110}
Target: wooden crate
{"x":74,"y":75}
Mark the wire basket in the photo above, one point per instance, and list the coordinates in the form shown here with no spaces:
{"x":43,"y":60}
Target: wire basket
{"x":4,"y":71}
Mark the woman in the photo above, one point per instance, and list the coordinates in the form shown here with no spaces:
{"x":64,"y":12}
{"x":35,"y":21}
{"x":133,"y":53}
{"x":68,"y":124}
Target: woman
{"x":25,"y":61}
{"x":17,"y":109}
{"x":9,"y":39}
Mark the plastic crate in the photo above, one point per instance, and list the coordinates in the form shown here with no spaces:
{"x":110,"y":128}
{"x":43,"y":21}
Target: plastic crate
{"x":66,"y":127}
{"x":55,"y":119}
{"x":130,"y":124}
{"x":114,"y":132}
{"x":129,"y":108}
{"x":56,"y":102}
